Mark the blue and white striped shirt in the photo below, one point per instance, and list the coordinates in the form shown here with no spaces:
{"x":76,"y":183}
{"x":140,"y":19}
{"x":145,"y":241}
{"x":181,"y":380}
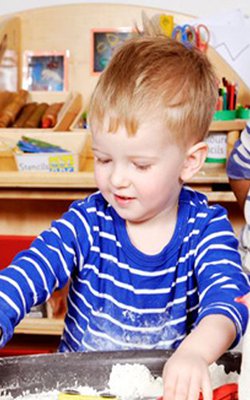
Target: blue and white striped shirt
{"x":238,"y":167}
{"x":119,"y":297}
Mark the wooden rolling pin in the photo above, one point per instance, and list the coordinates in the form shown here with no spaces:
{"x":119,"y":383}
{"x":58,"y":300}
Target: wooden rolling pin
{"x":10,"y":111}
{"x":35,"y":119}
{"x":5,"y":98}
{"x":24,"y":115}
{"x":49,"y":118}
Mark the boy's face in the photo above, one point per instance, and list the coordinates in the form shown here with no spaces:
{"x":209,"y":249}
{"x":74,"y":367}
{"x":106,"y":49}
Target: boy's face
{"x":138,"y":175}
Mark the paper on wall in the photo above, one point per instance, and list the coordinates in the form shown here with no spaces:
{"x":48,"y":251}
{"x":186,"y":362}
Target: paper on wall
{"x":230,"y":37}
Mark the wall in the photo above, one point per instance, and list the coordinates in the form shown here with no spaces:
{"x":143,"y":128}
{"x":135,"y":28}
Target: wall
{"x":192,"y":7}
{"x":69,"y":27}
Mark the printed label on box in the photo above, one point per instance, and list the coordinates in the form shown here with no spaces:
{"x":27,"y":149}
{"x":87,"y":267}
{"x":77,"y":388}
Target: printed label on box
{"x":56,"y":162}
{"x":217,"y":148}
{"x":61,"y":163}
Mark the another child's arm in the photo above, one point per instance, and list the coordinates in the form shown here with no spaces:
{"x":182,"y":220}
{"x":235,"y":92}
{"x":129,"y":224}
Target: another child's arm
{"x":240,"y":188}
{"x":238,"y":167}
{"x":186,"y":373}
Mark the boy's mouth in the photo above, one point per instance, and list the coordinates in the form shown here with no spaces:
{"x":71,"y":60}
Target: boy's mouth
{"x":122,"y":199}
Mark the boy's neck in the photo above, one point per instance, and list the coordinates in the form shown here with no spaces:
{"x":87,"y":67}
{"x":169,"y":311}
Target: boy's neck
{"x":152,"y":235}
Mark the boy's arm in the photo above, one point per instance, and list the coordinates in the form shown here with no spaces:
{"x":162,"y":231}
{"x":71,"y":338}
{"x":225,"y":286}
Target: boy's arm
{"x":36,"y":273}
{"x":221,"y":322}
{"x":186,"y":373}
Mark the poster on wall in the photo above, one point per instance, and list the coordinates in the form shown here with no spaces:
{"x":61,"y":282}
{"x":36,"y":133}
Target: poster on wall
{"x":45,"y":71}
{"x":9,"y":54}
{"x":104,"y":43}
{"x":8,"y":66}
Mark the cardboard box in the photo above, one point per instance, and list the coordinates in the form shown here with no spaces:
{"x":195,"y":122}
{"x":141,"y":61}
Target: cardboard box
{"x":72,"y":161}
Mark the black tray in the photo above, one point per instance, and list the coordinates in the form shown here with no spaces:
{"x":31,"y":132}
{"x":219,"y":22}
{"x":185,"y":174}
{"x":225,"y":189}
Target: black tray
{"x":65,"y":370}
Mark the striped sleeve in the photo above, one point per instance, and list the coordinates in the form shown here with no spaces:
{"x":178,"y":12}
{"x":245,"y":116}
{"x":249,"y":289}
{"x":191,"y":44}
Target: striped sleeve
{"x":47,"y":265}
{"x":238,"y":165}
{"x":219,"y":273}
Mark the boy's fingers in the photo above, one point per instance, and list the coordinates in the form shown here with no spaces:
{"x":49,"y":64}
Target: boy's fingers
{"x":240,"y":299}
{"x":194,"y":391}
{"x":207,"y":392}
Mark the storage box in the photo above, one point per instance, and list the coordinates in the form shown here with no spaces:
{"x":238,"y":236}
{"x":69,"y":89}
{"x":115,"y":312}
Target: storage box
{"x":70,"y":109}
{"x":7,"y":161}
{"x":72,"y":161}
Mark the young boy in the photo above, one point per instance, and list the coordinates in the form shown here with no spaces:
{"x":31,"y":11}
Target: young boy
{"x":151,"y":264}
{"x":238,"y":170}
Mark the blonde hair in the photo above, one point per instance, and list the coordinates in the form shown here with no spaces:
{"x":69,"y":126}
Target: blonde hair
{"x":156,"y":77}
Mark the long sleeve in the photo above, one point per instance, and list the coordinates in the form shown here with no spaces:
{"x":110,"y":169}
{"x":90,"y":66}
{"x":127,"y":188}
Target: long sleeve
{"x":46,"y":266}
{"x":219,"y":274}
{"x":238,"y":166}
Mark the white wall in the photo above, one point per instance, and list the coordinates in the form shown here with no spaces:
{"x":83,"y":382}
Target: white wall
{"x":197,"y":8}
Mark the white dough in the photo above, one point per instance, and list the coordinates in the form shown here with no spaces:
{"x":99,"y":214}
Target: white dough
{"x":131,"y":381}
{"x":134,"y":381}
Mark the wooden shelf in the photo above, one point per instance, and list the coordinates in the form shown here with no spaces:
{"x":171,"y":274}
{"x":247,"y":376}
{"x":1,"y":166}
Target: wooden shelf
{"x":83,"y":181}
{"x":72,"y":186}
{"x":210,"y":175}
{"x":47,"y":179}
{"x":40,"y":326}
{"x":43,"y":194}
{"x":220,"y":197}
{"x":231,"y":125}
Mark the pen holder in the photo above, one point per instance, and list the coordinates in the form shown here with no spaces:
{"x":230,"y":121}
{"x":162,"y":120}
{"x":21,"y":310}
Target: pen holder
{"x":224,"y":115}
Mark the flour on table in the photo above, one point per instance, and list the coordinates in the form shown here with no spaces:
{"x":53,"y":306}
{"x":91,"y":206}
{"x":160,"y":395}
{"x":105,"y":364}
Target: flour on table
{"x":132,"y":381}
{"x":51,"y":395}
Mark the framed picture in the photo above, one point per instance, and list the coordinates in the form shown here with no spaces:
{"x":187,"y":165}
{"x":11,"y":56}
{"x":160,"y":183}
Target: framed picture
{"x":104,"y":43}
{"x":45,"y":71}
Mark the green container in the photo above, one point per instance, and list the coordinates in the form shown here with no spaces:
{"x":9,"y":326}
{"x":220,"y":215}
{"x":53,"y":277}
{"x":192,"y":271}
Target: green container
{"x":224,"y":115}
{"x":243,"y":113}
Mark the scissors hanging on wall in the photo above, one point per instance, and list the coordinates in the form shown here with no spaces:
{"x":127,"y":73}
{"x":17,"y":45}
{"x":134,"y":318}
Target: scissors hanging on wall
{"x":198,"y":36}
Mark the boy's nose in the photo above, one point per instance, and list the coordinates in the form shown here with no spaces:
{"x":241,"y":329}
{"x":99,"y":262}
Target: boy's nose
{"x":119,"y":178}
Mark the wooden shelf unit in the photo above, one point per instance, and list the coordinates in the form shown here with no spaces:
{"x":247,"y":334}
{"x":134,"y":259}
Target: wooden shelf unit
{"x":40,"y":326}
{"x":43,"y":197}
{"x":84,"y":180}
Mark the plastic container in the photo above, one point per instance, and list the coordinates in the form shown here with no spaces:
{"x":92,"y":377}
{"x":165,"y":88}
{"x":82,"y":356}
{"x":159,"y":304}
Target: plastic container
{"x":243,"y":113}
{"x":72,"y":161}
{"x":217,"y":149}
{"x":224,"y":115}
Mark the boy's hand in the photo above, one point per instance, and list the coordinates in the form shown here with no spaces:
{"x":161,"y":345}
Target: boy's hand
{"x":185,"y":376}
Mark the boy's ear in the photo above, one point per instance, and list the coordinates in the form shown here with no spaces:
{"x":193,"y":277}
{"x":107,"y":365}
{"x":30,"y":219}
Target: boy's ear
{"x":195,"y":159}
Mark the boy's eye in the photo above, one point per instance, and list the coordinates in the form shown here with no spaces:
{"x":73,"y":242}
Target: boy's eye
{"x":142,"y":167}
{"x":102,"y":160}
